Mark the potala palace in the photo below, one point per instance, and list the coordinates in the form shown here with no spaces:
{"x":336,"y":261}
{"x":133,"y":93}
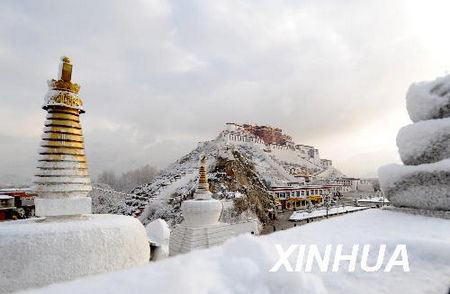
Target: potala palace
{"x":312,"y":177}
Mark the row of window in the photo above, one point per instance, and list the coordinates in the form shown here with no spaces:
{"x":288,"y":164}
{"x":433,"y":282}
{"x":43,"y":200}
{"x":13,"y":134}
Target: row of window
{"x":299,"y":193}
{"x":244,"y":139}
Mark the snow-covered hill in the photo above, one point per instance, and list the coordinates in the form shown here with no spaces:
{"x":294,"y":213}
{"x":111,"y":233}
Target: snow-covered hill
{"x":240,"y":173}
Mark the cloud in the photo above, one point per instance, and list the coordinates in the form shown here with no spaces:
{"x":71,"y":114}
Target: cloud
{"x":159,"y":76}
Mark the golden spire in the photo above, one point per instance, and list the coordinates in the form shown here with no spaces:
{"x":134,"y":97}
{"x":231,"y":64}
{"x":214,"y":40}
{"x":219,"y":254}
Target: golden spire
{"x":203,"y":185}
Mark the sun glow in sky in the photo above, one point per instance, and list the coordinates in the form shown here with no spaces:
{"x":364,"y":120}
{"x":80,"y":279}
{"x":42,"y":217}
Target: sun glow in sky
{"x":159,"y":76}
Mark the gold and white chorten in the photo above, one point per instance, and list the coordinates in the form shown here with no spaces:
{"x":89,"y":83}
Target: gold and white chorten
{"x":62,"y":181}
{"x":67,"y":242}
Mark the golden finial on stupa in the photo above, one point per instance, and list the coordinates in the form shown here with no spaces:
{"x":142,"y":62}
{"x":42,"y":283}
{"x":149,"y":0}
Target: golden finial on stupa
{"x":64,"y":78}
{"x":65,"y":73}
{"x":203,"y":181}
{"x":63,"y":92}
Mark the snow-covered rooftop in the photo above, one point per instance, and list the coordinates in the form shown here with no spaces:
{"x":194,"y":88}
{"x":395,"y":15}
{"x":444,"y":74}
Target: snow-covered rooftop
{"x":374,"y":200}
{"x":242,"y":264}
{"x":5,"y":197}
{"x":303,"y":215}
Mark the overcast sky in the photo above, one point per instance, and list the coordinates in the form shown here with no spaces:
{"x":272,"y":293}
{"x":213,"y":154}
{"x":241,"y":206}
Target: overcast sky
{"x":158,"y":76}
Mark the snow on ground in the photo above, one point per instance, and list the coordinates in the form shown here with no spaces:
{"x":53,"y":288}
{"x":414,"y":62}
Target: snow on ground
{"x":242,"y":264}
{"x":430,"y":99}
{"x":304,"y":215}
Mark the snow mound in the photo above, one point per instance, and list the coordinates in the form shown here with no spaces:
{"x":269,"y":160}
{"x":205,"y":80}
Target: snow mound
{"x":429,"y":100}
{"x":242,"y":264}
{"x":424,"y":142}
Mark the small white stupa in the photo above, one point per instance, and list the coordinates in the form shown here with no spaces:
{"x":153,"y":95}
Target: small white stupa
{"x":67,"y":242}
{"x":201,"y":227}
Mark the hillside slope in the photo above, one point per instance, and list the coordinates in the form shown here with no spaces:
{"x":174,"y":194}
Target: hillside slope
{"x":240,"y":175}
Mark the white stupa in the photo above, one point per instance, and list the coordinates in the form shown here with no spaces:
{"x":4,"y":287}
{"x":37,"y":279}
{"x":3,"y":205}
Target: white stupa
{"x":67,"y":242}
{"x":201,"y":227}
